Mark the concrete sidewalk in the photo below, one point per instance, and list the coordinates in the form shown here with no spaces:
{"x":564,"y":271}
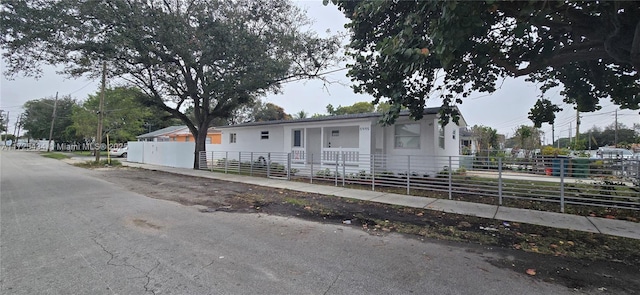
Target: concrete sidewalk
{"x":550,"y":219}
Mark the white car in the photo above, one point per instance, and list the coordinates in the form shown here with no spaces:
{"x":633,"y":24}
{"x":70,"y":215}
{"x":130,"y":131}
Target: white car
{"x":119,"y":152}
{"x":614,"y":153}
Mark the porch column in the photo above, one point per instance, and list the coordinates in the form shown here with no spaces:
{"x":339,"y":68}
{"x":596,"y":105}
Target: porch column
{"x":364,"y":145}
{"x":319,"y":157}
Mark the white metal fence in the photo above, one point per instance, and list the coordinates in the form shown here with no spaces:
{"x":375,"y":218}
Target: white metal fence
{"x":538,"y":183}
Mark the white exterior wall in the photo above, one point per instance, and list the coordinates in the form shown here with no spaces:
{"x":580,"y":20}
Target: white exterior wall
{"x":171,"y":154}
{"x":248,"y":139}
{"x":429,"y":159}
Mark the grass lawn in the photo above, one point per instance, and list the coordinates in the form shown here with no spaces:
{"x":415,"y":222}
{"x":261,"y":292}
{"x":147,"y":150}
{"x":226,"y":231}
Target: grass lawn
{"x":53,"y":155}
{"x":88,"y":153}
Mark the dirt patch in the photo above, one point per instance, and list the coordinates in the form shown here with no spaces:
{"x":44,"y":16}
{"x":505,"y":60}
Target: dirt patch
{"x":145,"y":224}
{"x":591,"y":263}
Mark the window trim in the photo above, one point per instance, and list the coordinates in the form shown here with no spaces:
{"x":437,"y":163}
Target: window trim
{"x":441,"y":141}
{"x":293,"y":138}
{"x":396,"y":137}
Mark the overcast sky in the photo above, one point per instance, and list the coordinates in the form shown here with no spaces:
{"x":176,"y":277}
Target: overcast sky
{"x":504,"y":110}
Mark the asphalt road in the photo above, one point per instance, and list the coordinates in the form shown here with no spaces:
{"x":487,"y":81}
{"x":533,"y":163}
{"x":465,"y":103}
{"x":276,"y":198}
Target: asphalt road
{"x":63,"y":231}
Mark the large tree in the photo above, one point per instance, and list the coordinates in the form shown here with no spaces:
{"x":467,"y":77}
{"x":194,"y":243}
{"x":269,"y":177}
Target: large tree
{"x":212,"y":56}
{"x":38,"y":114}
{"x":269,"y":112}
{"x":486,"y":139}
{"x":356,"y":108}
{"x":405,"y":51}
{"x":123,"y":115}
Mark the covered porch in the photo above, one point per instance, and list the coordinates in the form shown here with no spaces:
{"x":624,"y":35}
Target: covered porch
{"x":343,"y":145}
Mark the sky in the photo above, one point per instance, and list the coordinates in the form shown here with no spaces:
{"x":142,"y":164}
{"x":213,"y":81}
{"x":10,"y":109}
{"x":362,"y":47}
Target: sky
{"x":503,"y":110}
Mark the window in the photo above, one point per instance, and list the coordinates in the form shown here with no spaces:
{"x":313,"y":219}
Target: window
{"x":207,"y":140}
{"x":264,"y":135}
{"x":297,"y":138}
{"x":232,"y":138}
{"x":407,"y":136}
{"x":335,"y":133}
{"x":441,"y":137}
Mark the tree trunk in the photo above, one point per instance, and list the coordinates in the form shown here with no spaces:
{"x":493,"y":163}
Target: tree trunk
{"x":201,"y":138}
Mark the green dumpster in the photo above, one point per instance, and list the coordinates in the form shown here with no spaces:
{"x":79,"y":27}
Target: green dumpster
{"x":580,"y":167}
{"x":560,"y":167}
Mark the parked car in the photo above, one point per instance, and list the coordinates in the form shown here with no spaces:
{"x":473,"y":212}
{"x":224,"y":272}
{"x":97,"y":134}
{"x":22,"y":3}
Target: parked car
{"x":119,"y":152}
{"x":614,"y":153}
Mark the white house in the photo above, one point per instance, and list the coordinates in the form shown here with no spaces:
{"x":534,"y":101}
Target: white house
{"x":348,"y":140}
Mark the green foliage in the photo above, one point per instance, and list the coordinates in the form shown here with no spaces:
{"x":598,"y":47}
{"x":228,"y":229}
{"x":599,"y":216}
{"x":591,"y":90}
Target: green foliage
{"x":269,"y":112}
{"x":3,"y":121}
{"x":552,"y":151}
{"x":404,"y":51}
{"x":213,"y":56}
{"x":37,"y":118}
{"x":124,"y":115}
{"x":486,"y":138}
{"x":543,"y":111}
{"x":356,"y":108}
{"x":301,"y":115}
{"x":597,"y":137}
{"x":57,"y":156}
{"x":527,"y":137}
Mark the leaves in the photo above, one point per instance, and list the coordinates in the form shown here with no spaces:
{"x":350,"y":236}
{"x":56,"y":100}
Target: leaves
{"x":37,"y":118}
{"x":466,"y":46}
{"x":212,"y":57}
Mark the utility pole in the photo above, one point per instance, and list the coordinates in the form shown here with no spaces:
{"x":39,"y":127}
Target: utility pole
{"x":19,"y":126}
{"x":569,"y":144}
{"x":15,"y":128}
{"x":615,"y":136}
{"x":6,"y":131}
{"x":553,"y":133}
{"x":101,"y":111}
{"x":53,"y":120}
{"x":577,"y":126}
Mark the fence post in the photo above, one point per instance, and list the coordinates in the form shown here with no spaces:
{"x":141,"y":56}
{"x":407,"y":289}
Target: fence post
{"x":268,"y":165}
{"x":212,"y":163}
{"x":239,"y":163}
{"x":289,"y":166}
{"x":251,"y":167}
{"x":408,"y":174}
{"x":311,"y":174}
{"x":226,"y":162}
{"x":500,"y":181}
{"x":562,"y":185}
{"x":344,"y":172}
{"x":450,"y":179}
{"x":337,"y":163}
{"x":373,"y":172}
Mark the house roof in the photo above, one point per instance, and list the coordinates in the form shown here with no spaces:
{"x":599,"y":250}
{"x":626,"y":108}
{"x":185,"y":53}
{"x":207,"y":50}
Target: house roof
{"x":186,"y":131}
{"x":427,"y":111}
{"x":161,"y":132}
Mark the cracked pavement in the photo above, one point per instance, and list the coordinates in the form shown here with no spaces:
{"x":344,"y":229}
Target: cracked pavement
{"x":64,"y":231}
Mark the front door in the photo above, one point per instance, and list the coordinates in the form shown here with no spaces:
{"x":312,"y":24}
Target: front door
{"x":314,"y":145}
